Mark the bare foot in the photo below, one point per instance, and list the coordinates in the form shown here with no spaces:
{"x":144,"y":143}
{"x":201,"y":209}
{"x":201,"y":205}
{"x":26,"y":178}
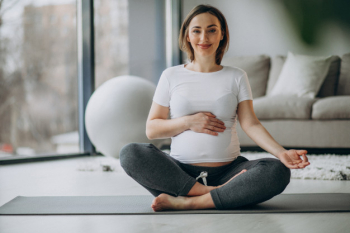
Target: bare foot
{"x":243,"y":171}
{"x":165,"y":201}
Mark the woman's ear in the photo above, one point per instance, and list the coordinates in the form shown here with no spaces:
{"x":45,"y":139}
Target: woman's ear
{"x":222,"y":35}
{"x":188,"y":39}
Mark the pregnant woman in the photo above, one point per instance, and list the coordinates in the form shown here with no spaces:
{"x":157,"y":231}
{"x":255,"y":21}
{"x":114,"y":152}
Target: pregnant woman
{"x":204,"y":169}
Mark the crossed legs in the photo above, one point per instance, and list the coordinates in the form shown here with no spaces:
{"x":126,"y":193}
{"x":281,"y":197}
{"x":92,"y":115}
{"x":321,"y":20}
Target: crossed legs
{"x":202,"y":200}
{"x":173,"y":188}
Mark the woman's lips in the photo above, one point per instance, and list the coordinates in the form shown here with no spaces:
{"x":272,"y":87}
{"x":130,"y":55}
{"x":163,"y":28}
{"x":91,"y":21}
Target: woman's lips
{"x":204,"y":46}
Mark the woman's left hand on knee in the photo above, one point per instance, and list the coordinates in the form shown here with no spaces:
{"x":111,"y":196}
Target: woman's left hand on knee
{"x":291,"y":159}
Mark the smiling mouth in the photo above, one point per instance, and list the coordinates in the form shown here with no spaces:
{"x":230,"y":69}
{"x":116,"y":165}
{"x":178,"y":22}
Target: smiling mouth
{"x":204,"y":46}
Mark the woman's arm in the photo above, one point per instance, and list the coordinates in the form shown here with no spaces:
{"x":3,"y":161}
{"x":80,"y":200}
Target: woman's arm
{"x":165,"y":128}
{"x":158,"y":125}
{"x":257,"y":132}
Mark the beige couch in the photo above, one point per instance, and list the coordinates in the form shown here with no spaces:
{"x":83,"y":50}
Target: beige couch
{"x":296,"y":122}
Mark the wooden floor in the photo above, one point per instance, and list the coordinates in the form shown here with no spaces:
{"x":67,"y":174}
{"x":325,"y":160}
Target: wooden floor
{"x":62,"y":178}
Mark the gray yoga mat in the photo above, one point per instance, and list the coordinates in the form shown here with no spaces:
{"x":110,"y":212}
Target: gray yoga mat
{"x":122,"y":205}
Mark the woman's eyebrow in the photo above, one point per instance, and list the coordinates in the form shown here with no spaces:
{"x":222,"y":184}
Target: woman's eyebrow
{"x":207,"y":27}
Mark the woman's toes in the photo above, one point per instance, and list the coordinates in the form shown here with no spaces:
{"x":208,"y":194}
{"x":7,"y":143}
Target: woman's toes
{"x":165,"y":201}
{"x":161,"y":202}
{"x":156,"y":204}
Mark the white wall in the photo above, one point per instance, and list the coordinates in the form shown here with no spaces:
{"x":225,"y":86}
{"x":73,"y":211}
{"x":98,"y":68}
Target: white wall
{"x":261,"y":27}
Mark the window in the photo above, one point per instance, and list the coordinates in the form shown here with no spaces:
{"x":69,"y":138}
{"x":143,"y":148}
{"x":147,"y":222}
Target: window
{"x":38,"y":78}
{"x":111,"y":39}
{"x":40,"y":72}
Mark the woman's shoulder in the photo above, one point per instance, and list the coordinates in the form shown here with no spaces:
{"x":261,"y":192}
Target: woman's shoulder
{"x":235,"y":71}
{"x":172,"y":70}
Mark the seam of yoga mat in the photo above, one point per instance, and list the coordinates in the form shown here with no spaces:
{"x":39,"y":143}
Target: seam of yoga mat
{"x":200,"y":212}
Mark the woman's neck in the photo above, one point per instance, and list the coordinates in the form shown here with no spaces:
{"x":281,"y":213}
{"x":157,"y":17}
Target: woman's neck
{"x":205,"y":67}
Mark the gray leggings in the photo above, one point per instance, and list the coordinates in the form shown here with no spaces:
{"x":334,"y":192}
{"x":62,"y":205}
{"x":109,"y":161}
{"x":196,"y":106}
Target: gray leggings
{"x":159,"y":173}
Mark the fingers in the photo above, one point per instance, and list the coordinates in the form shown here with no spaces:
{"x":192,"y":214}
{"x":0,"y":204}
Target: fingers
{"x":305,"y":162}
{"x":216,"y":121}
{"x":209,"y":114}
{"x":214,"y":118}
{"x":212,"y":128}
{"x":300,"y":152}
{"x":296,"y":160}
{"x":210,"y":132}
{"x":292,"y":166}
{"x":299,"y":165}
{"x":214,"y":124}
{"x":303,"y":153}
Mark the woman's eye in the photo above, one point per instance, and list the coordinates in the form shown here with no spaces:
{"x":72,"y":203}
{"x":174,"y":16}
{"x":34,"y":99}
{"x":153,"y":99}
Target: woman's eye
{"x":212,"y":31}
{"x":196,"y":31}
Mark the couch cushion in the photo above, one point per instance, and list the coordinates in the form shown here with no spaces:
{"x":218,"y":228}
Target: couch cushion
{"x":329,"y":85}
{"x":336,"y":107}
{"x":257,"y":68}
{"x":283,"y":107}
{"x":344,"y":77}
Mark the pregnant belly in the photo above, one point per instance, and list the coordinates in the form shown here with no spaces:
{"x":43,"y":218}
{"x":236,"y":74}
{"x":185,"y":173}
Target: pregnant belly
{"x":202,"y":147}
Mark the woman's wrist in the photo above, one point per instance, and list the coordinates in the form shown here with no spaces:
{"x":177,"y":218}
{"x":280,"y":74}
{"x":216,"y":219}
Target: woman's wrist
{"x":186,"y":122}
{"x":279,"y":152}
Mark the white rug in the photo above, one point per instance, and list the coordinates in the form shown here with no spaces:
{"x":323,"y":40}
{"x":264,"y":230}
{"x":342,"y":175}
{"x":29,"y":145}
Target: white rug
{"x":322,"y":167}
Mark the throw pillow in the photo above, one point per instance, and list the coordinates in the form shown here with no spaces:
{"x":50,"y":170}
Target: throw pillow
{"x":329,"y":85}
{"x":302,"y":75}
{"x":257,"y":68}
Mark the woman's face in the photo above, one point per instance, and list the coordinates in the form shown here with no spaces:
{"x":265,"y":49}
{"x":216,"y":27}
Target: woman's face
{"x":205,"y":34}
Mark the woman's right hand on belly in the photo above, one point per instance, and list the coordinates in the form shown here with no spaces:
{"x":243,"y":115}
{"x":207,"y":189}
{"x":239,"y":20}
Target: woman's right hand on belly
{"x":205,"y":122}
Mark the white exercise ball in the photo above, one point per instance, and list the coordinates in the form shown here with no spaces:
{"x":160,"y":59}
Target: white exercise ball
{"x":117,"y":112}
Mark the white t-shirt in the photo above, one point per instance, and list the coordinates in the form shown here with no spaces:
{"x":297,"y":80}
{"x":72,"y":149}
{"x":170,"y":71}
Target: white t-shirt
{"x":188,"y":92}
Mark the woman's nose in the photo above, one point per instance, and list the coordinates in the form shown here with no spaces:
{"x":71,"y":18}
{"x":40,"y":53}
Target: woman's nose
{"x":204,"y":36}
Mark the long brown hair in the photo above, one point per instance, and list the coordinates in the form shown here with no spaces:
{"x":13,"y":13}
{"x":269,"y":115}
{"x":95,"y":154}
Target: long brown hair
{"x":224,"y":43}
